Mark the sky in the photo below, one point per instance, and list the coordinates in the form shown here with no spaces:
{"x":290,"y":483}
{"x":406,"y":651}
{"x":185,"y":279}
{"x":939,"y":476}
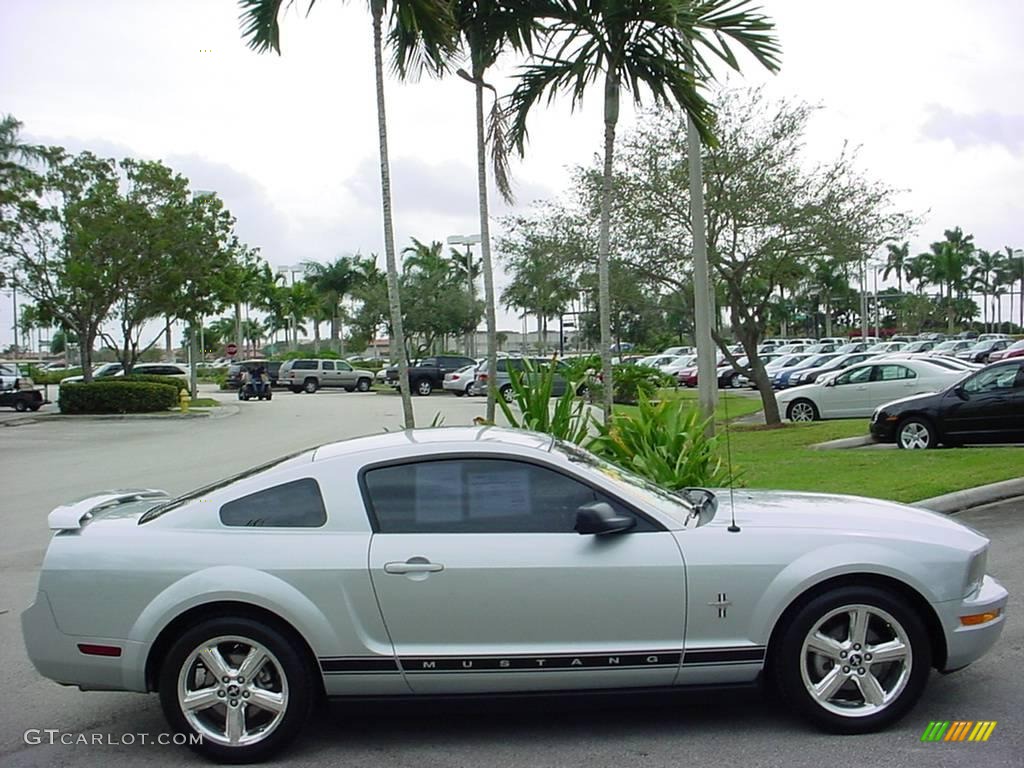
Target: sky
{"x":929,"y":89}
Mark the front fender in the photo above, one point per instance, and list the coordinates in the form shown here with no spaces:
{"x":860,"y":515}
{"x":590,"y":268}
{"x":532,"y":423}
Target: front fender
{"x":829,"y":562}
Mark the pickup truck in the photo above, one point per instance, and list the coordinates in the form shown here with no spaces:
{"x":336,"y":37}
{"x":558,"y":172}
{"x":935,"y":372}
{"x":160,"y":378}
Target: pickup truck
{"x":17,"y":391}
{"x":428,"y":374}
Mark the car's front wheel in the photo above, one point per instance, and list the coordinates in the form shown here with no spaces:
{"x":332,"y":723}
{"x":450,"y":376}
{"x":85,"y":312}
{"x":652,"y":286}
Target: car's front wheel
{"x":507,"y":393}
{"x":20,"y":406}
{"x":240,"y":688}
{"x":363,"y":385}
{"x":854,"y":659}
{"x":802,"y":410}
{"x":424,"y":387}
{"x":311,"y":386}
{"x":915,"y":434}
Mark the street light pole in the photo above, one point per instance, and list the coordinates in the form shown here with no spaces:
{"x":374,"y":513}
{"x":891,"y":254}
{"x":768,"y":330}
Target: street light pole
{"x":469,"y":241}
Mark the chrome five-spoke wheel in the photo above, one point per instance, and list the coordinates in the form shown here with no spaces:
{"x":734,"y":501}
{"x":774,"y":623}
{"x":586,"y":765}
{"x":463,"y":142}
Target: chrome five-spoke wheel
{"x":856,"y":660}
{"x":233,"y":691}
{"x":242,"y":688}
{"x":915,"y":435}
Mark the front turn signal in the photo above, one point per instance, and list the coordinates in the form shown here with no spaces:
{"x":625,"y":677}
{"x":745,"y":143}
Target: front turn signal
{"x":979,"y":618}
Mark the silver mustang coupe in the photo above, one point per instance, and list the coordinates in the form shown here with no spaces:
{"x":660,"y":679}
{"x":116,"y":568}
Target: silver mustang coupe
{"x":484,"y":560}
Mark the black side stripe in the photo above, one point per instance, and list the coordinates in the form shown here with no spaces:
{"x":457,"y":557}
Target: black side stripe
{"x":551,"y":662}
{"x":358,"y":664}
{"x":723,"y":656}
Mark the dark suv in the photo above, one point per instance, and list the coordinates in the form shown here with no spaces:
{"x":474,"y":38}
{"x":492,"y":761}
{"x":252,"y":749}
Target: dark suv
{"x":428,"y":374}
{"x":235,"y":371}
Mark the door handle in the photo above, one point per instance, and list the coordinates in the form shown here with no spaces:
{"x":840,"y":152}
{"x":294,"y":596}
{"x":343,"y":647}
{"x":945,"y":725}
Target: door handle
{"x":413,"y":565}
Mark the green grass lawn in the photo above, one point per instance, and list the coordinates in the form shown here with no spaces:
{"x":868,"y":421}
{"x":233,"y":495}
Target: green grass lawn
{"x":204,"y":402}
{"x":783,"y":458}
{"x":728,"y":403}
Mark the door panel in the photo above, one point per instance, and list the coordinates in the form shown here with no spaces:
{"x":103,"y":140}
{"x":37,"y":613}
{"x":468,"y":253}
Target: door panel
{"x":485,"y":586}
{"x":532,"y":611}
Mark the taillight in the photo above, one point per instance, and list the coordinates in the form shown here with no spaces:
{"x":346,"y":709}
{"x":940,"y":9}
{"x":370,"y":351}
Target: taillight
{"x":481,"y":377}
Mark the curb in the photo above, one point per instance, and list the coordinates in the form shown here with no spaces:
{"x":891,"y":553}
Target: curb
{"x":958,"y":501}
{"x":845,"y":442}
{"x":221,"y":412}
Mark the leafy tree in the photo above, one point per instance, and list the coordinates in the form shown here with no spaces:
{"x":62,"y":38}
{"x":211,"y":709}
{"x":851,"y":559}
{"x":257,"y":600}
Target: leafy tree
{"x":947,"y":264}
{"x":65,"y":251}
{"x":776,"y":225}
{"x":659,"y":46}
{"x":422,"y":30}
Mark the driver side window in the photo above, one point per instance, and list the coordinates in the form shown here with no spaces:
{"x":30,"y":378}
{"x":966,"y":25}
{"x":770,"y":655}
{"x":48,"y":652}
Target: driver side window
{"x":856,"y":376}
{"x":479,"y":496}
{"x":993,"y":380}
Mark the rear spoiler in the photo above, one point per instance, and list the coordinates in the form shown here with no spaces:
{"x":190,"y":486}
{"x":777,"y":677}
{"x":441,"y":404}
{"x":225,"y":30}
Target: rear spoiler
{"x":69,"y":517}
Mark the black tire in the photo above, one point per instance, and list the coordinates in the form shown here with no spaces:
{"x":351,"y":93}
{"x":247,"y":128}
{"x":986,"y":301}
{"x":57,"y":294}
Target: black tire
{"x":916,"y":433}
{"x":20,"y":405}
{"x":507,"y":393}
{"x":459,"y":393}
{"x":468,"y":391}
{"x":798,"y":410}
{"x":797,"y":667}
{"x":734,"y":381}
{"x":310,"y":386}
{"x":35,"y":407}
{"x":363,"y":385}
{"x":287,"y":674}
{"x":350,"y":389}
{"x":297,"y":390}
{"x":423,"y":387}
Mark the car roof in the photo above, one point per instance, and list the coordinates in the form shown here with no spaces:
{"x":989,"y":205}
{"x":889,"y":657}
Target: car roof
{"x":436,"y":436}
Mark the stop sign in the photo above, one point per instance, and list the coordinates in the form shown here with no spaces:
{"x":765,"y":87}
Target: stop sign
{"x":232,"y":349}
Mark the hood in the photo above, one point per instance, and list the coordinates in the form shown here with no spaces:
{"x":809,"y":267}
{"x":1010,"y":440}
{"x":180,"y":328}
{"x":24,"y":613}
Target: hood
{"x":847,"y":514}
{"x":921,"y":399}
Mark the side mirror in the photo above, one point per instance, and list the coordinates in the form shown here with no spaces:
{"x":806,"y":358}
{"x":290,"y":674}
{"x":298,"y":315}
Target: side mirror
{"x":960,"y":392}
{"x":599,"y":518}
{"x":831,"y":382}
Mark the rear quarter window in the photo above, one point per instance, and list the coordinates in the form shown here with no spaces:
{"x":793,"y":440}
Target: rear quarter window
{"x":304,"y":365}
{"x":296,"y":504}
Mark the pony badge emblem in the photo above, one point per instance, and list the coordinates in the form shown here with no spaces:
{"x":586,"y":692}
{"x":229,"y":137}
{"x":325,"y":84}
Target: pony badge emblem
{"x":722,"y":604}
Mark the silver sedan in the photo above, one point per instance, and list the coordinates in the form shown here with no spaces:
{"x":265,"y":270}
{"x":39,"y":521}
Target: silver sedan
{"x":490,"y":561}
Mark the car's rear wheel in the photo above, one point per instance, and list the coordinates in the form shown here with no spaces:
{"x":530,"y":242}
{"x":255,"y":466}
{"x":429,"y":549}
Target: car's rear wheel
{"x":240,"y":687}
{"x":424,"y":387}
{"x":802,"y":410}
{"x":853,"y":660}
{"x":310,"y":386}
{"x":20,"y":406}
{"x":735,"y":381}
{"x":507,"y":393}
{"x":915,"y":434}
{"x":363,"y":385}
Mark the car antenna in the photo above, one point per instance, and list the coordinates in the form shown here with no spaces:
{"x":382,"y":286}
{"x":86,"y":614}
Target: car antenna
{"x":733,"y":528}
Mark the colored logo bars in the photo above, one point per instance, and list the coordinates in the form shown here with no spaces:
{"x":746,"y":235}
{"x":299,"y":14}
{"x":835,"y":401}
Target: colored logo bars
{"x":958,"y":730}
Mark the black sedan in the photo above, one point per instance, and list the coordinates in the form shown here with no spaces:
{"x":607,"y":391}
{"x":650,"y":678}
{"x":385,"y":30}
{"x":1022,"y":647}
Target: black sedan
{"x":985,"y":407}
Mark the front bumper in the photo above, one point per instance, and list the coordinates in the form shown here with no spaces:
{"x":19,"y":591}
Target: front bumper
{"x":56,"y":655}
{"x":966,"y":644}
{"x":883,"y":431}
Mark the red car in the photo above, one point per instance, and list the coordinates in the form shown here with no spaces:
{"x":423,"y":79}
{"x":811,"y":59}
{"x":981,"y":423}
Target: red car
{"x":1014,"y":350}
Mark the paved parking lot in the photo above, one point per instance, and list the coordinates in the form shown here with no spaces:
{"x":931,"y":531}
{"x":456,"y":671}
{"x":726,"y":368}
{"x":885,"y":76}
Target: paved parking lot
{"x":49,"y":462}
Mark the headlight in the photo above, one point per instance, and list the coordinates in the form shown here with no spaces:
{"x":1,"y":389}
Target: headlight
{"x":976,"y":571}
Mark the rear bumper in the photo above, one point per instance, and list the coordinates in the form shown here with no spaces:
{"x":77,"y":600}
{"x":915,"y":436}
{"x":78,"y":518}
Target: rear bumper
{"x":966,"y":644}
{"x":56,"y":656}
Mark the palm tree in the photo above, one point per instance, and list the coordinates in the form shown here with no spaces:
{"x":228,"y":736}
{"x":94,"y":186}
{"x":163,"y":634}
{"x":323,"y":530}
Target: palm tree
{"x":333,"y":282}
{"x":897,"y":261}
{"x":655,"y":44}
{"x":433,"y":22}
{"x":486,"y":28}
{"x":1015,"y":273}
{"x":947,"y":263}
{"x":984,"y":278}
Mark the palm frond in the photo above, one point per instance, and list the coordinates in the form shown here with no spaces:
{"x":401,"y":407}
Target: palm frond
{"x":423,"y":38}
{"x":497,"y":139}
{"x":259,"y":22}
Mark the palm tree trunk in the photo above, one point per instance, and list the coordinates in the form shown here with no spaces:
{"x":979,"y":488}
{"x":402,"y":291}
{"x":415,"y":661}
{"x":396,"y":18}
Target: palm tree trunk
{"x":239,"y":341}
{"x":394,"y":301}
{"x":604,"y":304}
{"x":485,"y":247}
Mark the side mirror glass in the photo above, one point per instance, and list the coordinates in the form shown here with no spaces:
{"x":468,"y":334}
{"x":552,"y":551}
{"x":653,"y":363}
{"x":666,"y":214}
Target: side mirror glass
{"x":960,"y":392}
{"x":599,"y":518}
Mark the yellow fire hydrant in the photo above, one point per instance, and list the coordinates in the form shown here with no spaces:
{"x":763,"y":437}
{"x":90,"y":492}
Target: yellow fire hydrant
{"x":185,"y":399}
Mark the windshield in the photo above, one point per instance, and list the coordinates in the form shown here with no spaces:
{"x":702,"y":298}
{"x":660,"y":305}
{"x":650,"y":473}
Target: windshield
{"x":637,"y":489}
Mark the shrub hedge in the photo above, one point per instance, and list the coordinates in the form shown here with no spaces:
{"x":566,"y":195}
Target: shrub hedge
{"x":174,"y":381}
{"x":119,"y":396}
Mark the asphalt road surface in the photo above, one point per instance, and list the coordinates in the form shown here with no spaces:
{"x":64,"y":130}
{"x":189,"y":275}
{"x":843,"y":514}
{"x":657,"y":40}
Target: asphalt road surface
{"x":49,"y":462}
